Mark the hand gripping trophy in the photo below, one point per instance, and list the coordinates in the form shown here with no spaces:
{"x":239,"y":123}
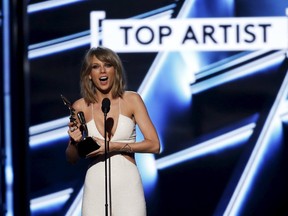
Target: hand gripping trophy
{"x":87,"y":143}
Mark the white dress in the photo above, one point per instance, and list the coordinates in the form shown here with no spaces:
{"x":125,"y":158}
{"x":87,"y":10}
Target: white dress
{"x":125,"y":192}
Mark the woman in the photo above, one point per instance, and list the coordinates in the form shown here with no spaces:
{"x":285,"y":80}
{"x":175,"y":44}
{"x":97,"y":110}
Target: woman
{"x":102,"y":77}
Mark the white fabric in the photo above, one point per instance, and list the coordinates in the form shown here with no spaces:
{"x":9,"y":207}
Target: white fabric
{"x":127,"y":196}
{"x":126,"y":190}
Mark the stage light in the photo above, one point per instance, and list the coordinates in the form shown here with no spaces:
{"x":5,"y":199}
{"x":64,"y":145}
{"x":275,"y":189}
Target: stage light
{"x":49,"y":4}
{"x":259,"y":151}
{"x":239,"y":72}
{"x":50,"y":201}
{"x":230,"y":139}
{"x":75,"y":208}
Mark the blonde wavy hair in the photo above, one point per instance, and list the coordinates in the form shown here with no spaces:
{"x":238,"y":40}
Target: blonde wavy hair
{"x":106,"y":55}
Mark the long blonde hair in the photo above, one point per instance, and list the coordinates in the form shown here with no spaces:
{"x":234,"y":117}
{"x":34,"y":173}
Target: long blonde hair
{"x":107,"y":55}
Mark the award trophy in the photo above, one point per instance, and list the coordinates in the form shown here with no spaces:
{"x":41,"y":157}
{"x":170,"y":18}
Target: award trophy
{"x":87,"y":143}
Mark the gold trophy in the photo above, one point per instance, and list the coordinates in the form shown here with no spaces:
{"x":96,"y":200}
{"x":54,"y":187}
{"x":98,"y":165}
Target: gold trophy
{"x":87,"y":143}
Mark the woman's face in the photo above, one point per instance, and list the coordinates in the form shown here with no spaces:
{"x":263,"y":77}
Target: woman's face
{"x":102,"y":75}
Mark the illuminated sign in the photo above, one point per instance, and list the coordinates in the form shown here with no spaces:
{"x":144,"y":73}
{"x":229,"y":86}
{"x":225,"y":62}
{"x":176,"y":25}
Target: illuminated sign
{"x":199,"y":34}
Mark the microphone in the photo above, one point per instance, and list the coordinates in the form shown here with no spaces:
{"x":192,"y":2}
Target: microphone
{"x":82,"y":121}
{"x":105,"y":105}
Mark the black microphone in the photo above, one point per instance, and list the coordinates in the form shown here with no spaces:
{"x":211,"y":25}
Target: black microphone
{"x":105,"y":105}
{"x":82,"y":121}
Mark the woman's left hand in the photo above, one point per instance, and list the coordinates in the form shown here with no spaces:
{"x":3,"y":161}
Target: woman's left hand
{"x":99,"y":151}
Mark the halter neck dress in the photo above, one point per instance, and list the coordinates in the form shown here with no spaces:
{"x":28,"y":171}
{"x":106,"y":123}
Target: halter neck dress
{"x":125,"y":189}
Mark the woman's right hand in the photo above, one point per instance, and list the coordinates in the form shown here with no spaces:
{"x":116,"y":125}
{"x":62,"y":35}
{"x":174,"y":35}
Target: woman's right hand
{"x":74,"y":132}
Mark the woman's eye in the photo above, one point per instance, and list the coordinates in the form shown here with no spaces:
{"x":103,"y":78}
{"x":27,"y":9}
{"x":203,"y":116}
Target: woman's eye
{"x":97,"y":67}
{"x":108,"y":65}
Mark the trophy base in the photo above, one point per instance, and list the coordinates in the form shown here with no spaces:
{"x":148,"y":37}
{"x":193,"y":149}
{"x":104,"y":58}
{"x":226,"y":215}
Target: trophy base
{"x":86,"y":146}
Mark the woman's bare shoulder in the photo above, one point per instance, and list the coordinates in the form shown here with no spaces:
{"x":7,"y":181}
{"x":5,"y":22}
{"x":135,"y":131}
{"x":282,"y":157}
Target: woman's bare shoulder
{"x":131,"y":96}
{"x":133,"y":101}
{"x":79,"y":104}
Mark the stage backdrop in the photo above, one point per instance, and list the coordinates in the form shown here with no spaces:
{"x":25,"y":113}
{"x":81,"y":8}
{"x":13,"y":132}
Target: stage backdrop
{"x":213,"y":75}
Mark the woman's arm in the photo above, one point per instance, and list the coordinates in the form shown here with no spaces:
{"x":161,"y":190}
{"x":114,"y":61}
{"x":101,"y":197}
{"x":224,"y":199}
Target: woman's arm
{"x":150,"y":143}
{"x":71,"y":153}
{"x":75,"y":136}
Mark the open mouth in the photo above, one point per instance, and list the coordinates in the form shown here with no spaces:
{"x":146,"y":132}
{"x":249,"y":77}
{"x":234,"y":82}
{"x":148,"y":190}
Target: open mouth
{"x":103,"y":79}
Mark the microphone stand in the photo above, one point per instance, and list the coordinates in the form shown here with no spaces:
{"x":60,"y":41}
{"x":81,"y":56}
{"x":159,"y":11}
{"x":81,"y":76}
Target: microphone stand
{"x":105,"y":109}
{"x":106,"y":153}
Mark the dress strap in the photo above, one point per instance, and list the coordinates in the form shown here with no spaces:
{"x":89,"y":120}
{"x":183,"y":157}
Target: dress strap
{"x":119,"y":106}
{"x":92,"y":110}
